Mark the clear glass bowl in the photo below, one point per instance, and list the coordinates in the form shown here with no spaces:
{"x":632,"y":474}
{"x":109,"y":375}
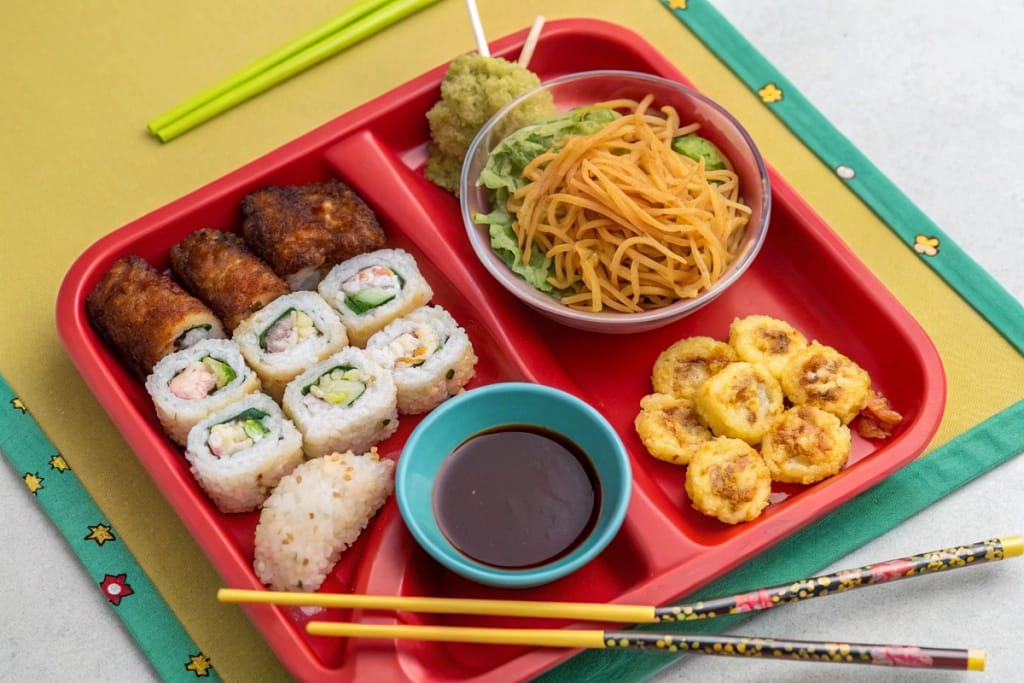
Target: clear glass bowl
{"x":578,"y":89}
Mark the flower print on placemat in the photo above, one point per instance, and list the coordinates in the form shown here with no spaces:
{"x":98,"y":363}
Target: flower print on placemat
{"x":116,"y":588}
{"x":33,"y":481}
{"x":199,"y":664}
{"x":927,"y":245}
{"x":769,"y":93}
{"x":100,"y":534}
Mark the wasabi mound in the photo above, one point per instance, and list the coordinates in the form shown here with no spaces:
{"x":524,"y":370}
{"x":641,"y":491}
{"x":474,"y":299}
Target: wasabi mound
{"x":474,"y":89}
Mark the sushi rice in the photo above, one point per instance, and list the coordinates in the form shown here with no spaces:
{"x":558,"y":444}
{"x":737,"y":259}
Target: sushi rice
{"x":239,"y":453}
{"x":287,"y":336}
{"x":430,"y":355}
{"x":314,"y":515}
{"x":188,"y":385}
{"x":372,"y":289}
{"x":346,"y":402}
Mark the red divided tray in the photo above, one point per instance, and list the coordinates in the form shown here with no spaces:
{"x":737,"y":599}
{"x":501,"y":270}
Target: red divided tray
{"x":804,"y":274}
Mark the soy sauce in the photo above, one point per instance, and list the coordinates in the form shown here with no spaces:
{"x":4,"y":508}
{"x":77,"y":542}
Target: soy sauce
{"x":517,"y":496}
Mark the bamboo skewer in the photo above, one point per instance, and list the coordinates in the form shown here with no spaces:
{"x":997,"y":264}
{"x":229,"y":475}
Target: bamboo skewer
{"x":906,"y":656}
{"x":761,"y":599}
{"x":478,"y":29}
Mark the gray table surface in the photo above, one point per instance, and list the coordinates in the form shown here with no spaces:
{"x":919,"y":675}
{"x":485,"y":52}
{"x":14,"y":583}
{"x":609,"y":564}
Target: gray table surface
{"x":920,"y":87}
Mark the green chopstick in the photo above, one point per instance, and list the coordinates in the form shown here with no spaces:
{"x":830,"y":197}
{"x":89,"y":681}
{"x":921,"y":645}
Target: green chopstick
{"x":360,"y":21}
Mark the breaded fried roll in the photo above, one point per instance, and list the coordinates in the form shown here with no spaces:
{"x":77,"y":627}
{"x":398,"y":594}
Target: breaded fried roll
{"x":145,"y":315}
{"x":216,"y":266}
{"x":302,"y":231}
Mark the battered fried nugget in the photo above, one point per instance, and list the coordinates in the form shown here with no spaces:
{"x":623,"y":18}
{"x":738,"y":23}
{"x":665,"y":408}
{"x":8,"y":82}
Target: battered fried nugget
{"x":216,"y":266}
{"x":822,"y":377}
{"x":145,"y":315}
{"x":303,"y":231}
{"x":766,"y":340}
{"x":670,"y":428}
{"x":741,"y":401}
{"x":727,"y":479}
{"x":805,"y":445}
{"x":682,"y":368}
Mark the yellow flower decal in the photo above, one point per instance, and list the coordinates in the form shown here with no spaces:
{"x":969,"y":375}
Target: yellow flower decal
{"x":769,"y":93}
{"x":199,"y":665}
{"x":101,"y":533}
{"x":58,"y":463}
{"x":927,"y":245}
{"x":677,"y":4}
{"x":33,"y":481}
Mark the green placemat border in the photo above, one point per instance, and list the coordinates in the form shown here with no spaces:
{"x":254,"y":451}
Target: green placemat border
{"x":974,"y":284}
{"x":116,"y":572}
{"x":916,"y":486}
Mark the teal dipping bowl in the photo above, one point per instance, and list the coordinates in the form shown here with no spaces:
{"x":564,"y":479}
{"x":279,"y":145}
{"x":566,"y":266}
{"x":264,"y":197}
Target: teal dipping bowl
{"x":510,"y":405}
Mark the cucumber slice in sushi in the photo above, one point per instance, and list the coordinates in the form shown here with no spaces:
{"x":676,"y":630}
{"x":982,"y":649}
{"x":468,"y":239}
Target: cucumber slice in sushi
{"x":370,"y":290}
{"x":239,"y":453}
{"x":188,"y":385}
{"x":347,"y":402}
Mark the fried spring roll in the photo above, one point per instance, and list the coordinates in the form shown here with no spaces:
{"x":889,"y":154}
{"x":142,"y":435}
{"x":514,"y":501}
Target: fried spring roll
{"x":216,"y":266}
{"x":144,"y":315}
{"x":302,"y":231}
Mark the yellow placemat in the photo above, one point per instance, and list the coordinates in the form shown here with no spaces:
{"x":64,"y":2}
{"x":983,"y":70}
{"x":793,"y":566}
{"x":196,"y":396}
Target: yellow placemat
{"x":78,"y":164}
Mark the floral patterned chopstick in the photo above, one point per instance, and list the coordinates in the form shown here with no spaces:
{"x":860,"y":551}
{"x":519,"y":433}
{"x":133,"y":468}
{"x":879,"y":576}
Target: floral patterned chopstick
{"x":904,"y":656}
{"x":846,"y":579}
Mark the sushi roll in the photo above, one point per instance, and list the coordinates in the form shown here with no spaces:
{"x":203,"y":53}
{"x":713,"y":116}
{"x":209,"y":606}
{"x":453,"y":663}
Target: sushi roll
{"x":217,"y":267}
{"x":372,"y":289}
{"x":315,"y":514}
{"x":346,"y":402}
{"x":188,"y":385}
{"x":239,"y":453}
{"x":430,"y":355}
{"x":293,"y":332}
{"x":145,"y":315}
{"x":303,"y":231}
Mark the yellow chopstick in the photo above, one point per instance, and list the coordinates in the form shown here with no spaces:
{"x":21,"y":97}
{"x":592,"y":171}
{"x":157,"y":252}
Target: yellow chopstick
{"x":360,"y":21}
{"x":723,"y":645}
{"x":629,"y":614}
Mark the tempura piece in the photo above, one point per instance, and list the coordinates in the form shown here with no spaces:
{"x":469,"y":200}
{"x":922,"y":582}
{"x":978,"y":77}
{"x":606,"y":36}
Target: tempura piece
{"x":741,"y":401}
{"x":822,"y":377}
{"x":303,"y":231}
{"x":766,"y":340}
{"x":805,"y":445}
{"x":145,"y":315}
{"x":727,"y":479}
{"x":682,"y":368}
{"x":670,"y":427}
{"x":216,"y":266}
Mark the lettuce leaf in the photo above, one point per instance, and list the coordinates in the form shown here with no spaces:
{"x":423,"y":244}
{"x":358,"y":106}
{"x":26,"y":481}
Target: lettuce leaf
{"x":503,"y":175}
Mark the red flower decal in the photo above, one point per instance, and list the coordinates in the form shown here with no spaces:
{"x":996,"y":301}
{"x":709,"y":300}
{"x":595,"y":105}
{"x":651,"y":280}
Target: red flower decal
{"x":898,"y":655}
{"x":748,"y":602}
{"x":115,"y":588}
{"x":887,"y":571}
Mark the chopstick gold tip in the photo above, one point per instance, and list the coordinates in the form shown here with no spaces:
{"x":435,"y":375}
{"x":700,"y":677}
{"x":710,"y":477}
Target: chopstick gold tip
{"x":975,"y":660}
{"x":1013,"y":546}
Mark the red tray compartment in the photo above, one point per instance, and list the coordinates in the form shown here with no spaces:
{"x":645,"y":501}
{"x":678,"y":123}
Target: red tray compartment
{"x":804,"y":274}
